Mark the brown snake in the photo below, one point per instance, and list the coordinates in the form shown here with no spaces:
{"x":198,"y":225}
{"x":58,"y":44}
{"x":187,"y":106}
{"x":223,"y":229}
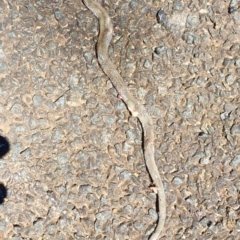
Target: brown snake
{"x":133,"y":105}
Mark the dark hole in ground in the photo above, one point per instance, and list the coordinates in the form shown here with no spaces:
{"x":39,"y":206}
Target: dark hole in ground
{"x":4,"y":146}
{"x":3,"y":193}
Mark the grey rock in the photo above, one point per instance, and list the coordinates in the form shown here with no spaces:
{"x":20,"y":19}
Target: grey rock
{"x":191,"y":21}
{"x":178,"y":5}
{"x":192,"y":200}
{"x":236,"y":161}
{"x":97,"y":80}
{"x":118,"y":148}
{"x":131,"y":134}
{"x":105,"y":138}
{"x":74,"y":80}
{"x":139,"y":226}
{"x":192,"y":69}
{"x":3,"y":225}
{"x":235,"y":47}
{"x":104,"y":216}
{"x":159,"y":50}
{"x":96,"y":118}
{"x":37,"y":100}
{"x":57,"y":135}
{"x":133,"y":4}
{"x":236,"y":17}
{"x":224,"y":115}
{"x":18,"y":128}
{"x":198,"y":155}
{"x":15,"y":150}
{"x":60,"y":102}
{"x":14,"y":15}
{"x":63,"y":157}
{"x":58,"y":14}
{"x":2,"y":55}
{"x":237,"y":62}
{"x":51,"y":45}
{"x":123,"y":228}
{"x":161,"y":16}
{"x":229,"y":79}
{"x":128,"y":210}
{"x":190,"y":38}
{"x":88,"y":56}
{"x":227,"y":62}
{"x":212,"y":32}
{"x":126,"y":175}
{"x":109,"y":119}
{"x":17,"y":109}
{"x":178,"y":181}
{"x":3,"y":67}
{"x":204,"y":160}
{"x":127,"y":147}
{"x":235,"y":129}
{"x":153,"y":213}
{"x":238,"y":111}
{"x":26,"y":153}
{"x":147,"y":64}
{"x":142,"y":92}
{"x":84,"y":190}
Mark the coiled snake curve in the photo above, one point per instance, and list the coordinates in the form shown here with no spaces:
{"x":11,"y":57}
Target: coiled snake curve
{"x":133,"y":105}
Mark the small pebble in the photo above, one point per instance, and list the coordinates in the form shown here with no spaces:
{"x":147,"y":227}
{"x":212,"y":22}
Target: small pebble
{"x":159,"y":50}
{"x":231,"y":10}
{"x":161,"y":16}
{"x":235,"y":130}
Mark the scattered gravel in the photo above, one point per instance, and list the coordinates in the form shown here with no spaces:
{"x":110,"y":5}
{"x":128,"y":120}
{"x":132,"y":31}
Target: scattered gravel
{"x":75,"y":169}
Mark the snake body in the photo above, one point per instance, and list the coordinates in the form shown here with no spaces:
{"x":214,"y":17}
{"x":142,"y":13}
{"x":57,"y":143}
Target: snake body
{"x":133,"y":105}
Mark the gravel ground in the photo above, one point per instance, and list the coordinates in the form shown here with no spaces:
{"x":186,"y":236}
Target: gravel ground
{"x":75,"y":169}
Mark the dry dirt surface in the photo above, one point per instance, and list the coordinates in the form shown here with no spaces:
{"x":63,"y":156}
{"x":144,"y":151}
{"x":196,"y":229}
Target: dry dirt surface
{"x":75,"y":169}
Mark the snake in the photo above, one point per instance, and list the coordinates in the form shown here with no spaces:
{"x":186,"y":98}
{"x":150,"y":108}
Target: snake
{"x":134,"y":106}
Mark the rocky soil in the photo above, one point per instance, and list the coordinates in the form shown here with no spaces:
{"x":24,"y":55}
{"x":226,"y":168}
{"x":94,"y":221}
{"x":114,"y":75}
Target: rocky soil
{"x":75,"y":169}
